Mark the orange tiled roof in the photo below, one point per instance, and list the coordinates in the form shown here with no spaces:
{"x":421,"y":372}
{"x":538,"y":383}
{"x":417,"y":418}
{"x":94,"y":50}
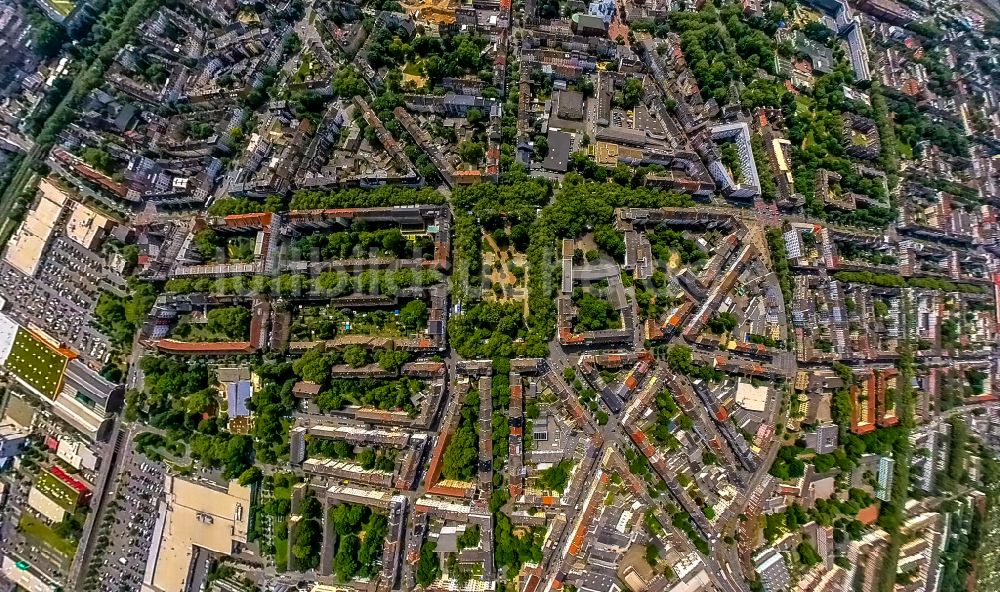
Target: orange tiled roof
{"x":204,"y":346}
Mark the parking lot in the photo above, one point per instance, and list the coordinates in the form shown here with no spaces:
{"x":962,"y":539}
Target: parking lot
{"x":59,"y":309}
{"x":65,"y":289}
{"x":76,"y":271}
{"x":120,"y":558}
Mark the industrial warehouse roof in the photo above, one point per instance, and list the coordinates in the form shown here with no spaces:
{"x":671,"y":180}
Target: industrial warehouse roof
{"x":24,"y":252}
{"x":35,"y":363}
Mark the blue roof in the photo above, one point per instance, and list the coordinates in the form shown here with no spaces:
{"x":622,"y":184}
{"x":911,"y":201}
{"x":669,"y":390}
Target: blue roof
{"x":237,"y":394}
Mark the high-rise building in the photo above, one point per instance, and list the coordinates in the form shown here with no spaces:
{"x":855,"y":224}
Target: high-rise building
{"x":773,"y":571}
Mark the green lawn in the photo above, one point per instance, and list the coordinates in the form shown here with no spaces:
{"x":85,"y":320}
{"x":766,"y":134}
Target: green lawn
{"x":36,"y":363}
{"x":306,"y":68}
{"x":63,"y":7}
{"x":315,"y":322}
{"x":412,"y":68}
{"x":240,"y":249}
{"x":803,"y":103}
{"x":282,"y":493}
{"x":39,"y":532}
{"x":809,"y":140}
{"x":280,"y":554}
{"x":904,"y":150}
{"x":365,"y":325}
{"x":196,"y":330}
{"x":185,"y":330}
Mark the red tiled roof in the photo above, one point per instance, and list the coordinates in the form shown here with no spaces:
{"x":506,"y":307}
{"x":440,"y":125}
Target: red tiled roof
{"x":263,"y":218}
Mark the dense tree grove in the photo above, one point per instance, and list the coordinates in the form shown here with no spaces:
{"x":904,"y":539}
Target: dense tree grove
{"x":48,"y":37}
{"x":369,"y":458}
{"x":913,"y":127}
{"x":413,"y":315}
{"x":962,"y":552}
{"x":886,"y":281}
{"x":382,"y":394}
{"x":682,"y":521}
{"x":467,"y":260}
{"x":488,"y":330}
{"x":610,"y":241}
{"x":579,"y":206}
{"x":668,"y":413}
{"x":328,"y":283}
{"x":382,"y":197}
{"x":768,"y":186}
{"x":271,"y":404}
{"x":120,"y":317}
{"x":680,"y":360}
{"x":428,"y":566}
{"x":956,"y":471}
{"x":721,"y":48}
{"x":666,"y":240}
{"x":513,"y":551}
{"x":462,"y":454}
{"x":361,"y":241}
{"x":557,"y":476}
{"x":593,"y":313}
{"x":779,"y":262}
{"x":347,"y":83}
{"x":207,"y":243}
{"x":314,"y":365}
{"x":470,"y":538}
{"x":232,"y":322}
{"x":499,"y":423}
{"x":307,"y":535}
{"x":361,"y":535}
{"x":228,"y":206}
{"x":723,"y":323}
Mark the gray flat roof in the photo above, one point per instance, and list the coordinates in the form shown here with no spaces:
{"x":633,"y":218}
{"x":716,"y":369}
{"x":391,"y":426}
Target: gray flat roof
{"x":558,"y":157}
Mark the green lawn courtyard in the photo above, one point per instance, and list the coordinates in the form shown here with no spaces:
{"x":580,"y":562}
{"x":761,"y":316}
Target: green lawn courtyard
{"x":40,"y":532}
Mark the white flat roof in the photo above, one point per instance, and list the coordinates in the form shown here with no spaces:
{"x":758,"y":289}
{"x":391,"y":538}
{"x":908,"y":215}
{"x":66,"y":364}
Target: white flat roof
{"x":84,"y":224}
{"x":750,"y":397}
{"x":197,"y":514}
{"x":24,"y":252}
{"x":8,"y":330}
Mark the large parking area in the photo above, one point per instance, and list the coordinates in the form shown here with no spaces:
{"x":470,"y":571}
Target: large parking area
{"x":48,"y":306}
{"x":79,"y":274}
{"x":62,"y":294}
{"x":120,"y":559}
